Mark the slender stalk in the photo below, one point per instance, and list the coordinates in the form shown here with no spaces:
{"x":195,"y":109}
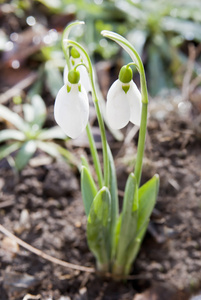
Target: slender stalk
{"x":139,"y":65}
{"x":104,"y":143}
{"x":98,"y":112}
{"x":141,"y":144}
{"x":143,"y":126}
{"x":95,"y":157}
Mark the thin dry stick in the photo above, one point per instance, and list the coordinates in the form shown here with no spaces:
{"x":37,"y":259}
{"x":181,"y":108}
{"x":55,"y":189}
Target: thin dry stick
{"x":44,"y":255}
{"x":61,"y":262}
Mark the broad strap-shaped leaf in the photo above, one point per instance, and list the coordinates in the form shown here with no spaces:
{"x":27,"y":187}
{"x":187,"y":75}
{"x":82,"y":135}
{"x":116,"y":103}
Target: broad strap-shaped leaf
{"x":52,"y":133}
{"x":48,"y":147}
{"x":134,"y":248}
{"x":8,"y":149}
{"x":11,"y":134}
{"x":147,"y":199}
{"x":98,"y":227}
{"x":40,"y":112}
{"x":128,"y":220}
{"x":113,"y":192}
{"x":88,"y":189}
{"x":84,"y":162}
{"x":57,"y":151}
{"x":24,"y":154}
{"x":28,"y":112}
{"x":54,"y":78}
{"x":13,"y":118}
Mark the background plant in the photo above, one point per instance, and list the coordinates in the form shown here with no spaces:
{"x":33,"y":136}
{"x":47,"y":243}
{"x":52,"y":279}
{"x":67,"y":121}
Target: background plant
{"x":162,"y":29}
{"x":29,"y":134}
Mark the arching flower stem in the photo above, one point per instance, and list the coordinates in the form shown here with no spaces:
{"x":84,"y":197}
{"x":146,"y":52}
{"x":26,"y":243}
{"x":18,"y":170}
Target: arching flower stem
{"x":80,"y":64}
{"x":99,"y":115}
{"x":66,"y":43}
{"x":143,"y":125}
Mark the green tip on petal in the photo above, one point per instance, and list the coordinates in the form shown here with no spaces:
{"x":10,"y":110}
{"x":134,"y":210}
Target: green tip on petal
{"x":74,"y":76}
{"x":125,"y":74}
{"x":75,"y":53}
{"x":125,"y":88}
{"x":68,"y":89}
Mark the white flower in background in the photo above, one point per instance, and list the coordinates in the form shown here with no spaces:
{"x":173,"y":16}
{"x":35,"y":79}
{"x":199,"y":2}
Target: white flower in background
{"x":84,"y":76}
{"x":123,"y":101}
{"x":71,"y":109}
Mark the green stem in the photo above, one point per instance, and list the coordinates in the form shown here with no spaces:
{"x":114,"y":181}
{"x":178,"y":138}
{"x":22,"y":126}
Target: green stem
{"x":95,"y":157}
{"x":143,"y":126}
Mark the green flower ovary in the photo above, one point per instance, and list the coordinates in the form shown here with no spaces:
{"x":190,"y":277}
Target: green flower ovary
{"x":74,"y":53}
{"x":74,"y":76}
{"x":125,"y":74}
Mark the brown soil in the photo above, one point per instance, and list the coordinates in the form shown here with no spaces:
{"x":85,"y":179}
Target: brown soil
{"x":43,"y":206}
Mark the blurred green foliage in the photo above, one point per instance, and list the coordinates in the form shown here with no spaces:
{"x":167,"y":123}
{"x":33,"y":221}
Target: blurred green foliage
{"x":159,"y":29}
{"x":26,"y":135}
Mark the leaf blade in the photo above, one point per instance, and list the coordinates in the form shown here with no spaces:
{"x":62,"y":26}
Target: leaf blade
{"x":98,"y":227}
{"x":24,"y":154}
{"x":11,"y":134}
{"x":88,"y":189}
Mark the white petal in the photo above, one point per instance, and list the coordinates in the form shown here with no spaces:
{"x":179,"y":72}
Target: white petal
{"x":117,"y":106}
{"x":71,"y":110}
{"x":65,"y":75}
{"x":84,"y":78}
{"x":135,"y":102}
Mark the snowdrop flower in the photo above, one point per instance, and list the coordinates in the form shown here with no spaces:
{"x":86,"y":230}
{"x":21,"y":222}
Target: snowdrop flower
{"x":84,"y":77}
{"x":71,"y":109}
{"x":123,"y":101}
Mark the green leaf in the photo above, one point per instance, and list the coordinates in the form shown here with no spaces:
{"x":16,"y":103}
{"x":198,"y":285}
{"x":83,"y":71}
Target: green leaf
{"x":98,"y":227}
{"x":54,"y":78}
{"x":113,"y":192}
{"x":84,"y":162}
{"x":52,"y":133}
{"x":157,"y":71}
{"x":40,"y":112}
{"x":8,"y":149}
{"x":67,"y":155}
{"x":147,"y":199}
{"x":128,"y":222}
{"x":88,"y":189}
{"x":24,"y":154}
{"x":49,"y":148}
{"x":11,"y":134}
{"x":189,"y":29}
{"x":13,"y":118}
{"x":28,"y":112}
{"x":134,"y":248}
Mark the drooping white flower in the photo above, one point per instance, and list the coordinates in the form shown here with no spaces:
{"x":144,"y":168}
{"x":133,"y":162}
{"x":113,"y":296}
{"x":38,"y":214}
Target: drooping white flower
{"x":71,"y":109}
{"x":123,"y":102}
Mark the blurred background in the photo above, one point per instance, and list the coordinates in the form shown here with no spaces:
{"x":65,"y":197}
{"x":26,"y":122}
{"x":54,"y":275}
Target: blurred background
{"x":162,"y":31}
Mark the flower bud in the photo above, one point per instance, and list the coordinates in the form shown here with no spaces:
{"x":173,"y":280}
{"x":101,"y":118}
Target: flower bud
{"x":74,"y":53}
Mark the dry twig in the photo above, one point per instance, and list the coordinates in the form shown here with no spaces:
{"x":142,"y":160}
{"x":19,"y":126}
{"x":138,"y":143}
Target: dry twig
{"x":44,"y":255}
